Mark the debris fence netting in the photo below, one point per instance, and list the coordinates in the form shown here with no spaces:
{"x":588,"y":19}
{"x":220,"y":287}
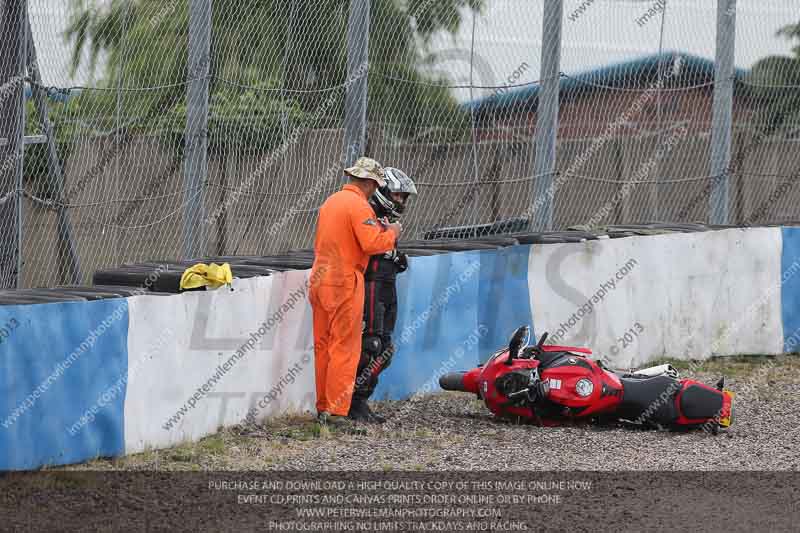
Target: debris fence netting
{"x":107,"y":175}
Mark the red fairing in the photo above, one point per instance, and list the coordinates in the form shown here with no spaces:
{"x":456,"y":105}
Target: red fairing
{"x":550,"y":397}
{"x":494,"y":368}
{"x":562,"y":381}
{"x":471,"y":380}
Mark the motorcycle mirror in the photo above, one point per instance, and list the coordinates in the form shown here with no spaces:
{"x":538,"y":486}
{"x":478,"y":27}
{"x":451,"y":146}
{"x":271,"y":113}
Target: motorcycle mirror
{"x":515,"y":344}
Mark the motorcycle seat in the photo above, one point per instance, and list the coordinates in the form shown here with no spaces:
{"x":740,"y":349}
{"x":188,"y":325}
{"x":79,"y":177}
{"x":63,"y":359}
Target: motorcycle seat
{"x":700,"y":402}
{"x":649,"y":399}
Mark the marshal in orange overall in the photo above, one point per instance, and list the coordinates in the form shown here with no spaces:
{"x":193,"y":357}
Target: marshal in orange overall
{"x":347,"y":235}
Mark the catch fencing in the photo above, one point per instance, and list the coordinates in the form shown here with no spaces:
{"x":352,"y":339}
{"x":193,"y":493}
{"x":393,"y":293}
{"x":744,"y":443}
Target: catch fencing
{"x":142,"y":129}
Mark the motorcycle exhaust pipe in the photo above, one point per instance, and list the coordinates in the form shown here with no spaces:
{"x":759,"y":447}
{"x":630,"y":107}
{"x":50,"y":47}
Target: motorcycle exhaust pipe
{"x":660,"y":370}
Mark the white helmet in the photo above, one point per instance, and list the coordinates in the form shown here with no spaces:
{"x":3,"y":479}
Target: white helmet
{"x":396,"y":182}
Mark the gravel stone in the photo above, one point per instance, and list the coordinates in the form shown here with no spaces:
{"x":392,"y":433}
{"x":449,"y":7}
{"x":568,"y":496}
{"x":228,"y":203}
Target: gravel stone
{"x":454,"y":431}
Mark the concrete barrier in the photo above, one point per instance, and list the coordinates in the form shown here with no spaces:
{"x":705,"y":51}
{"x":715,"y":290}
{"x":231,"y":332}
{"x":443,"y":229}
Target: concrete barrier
{"x":207,"y":359}
{"x":690,"y":295}
{"x":55,"y":366}
{"x":110,"y":377}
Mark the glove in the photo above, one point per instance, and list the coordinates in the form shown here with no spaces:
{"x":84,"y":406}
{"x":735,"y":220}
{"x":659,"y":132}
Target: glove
{"x":401,"y":260}
{"x":398,"y":258}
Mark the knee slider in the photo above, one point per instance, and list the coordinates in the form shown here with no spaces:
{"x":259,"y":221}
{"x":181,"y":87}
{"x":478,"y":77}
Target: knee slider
{"x":371,"y":344}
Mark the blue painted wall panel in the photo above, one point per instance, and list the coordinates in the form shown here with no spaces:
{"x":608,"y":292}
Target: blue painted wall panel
{"x":504,"y":296}
{"x":790,"y":289}
{"x":55,"y":364}
{"x":437,"y":310}
{"x":453,"y":310}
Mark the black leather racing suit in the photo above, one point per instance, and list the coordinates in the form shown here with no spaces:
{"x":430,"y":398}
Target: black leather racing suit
{"x":380,"y":315}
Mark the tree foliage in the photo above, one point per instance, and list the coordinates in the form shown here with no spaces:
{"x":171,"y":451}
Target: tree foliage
{"x":774,"y":86}
{"x":273,"y":63}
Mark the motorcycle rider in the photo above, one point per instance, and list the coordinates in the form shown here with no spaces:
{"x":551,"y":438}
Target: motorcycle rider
{"x":380,"y":301}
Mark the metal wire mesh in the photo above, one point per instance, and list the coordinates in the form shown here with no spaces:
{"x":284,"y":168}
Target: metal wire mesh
{"x":453,"y":92}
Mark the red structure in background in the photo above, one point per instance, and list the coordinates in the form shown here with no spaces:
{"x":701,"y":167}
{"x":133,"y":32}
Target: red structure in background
{"x":649,"y":94}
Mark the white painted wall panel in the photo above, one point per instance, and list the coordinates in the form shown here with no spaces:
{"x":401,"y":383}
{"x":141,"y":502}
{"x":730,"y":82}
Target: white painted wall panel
{"x":177,"y":343}
{"x":694,"y":295}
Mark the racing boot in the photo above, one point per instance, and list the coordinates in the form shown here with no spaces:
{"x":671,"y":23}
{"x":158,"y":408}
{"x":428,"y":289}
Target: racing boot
{"x":375,"y":416}
{"x":326,"y":419}
{"x":360,"y":412}
{"x":343,"y":424}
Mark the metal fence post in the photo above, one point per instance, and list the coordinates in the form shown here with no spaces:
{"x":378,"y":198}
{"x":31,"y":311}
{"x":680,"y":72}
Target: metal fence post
{"x":12,"y":87}
{"x":20,"y":154}
{"x":722,"y":110}
{"x":547,"y":115}
{"x":355,"y":105}
{"x":68,"y":261}
{"x":196,"y":138}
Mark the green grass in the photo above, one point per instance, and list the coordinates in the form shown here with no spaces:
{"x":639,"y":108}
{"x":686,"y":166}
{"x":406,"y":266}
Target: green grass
{"x":182,"y":454}
{"x":733,"y":366}
{"x":423,"y":433}
{"x":304,"y":432}
{"x":214,"y":445}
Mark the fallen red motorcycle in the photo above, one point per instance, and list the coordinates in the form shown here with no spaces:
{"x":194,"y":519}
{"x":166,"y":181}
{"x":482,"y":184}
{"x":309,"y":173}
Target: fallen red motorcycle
{"x":552,"y":385}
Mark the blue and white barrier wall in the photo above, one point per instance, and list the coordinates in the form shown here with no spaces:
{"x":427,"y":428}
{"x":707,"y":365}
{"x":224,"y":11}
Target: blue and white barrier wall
{"x":113,"y":377}
{"x":105,"y":378}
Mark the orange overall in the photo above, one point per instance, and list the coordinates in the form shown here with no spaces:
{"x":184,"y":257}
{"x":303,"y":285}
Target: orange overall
{"x":347,"y":235}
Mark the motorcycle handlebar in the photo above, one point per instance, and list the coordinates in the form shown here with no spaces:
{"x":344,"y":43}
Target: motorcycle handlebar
{"x":453,"y":381}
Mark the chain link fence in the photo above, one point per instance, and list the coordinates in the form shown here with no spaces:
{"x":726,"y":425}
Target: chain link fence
{"x":182,"y":129}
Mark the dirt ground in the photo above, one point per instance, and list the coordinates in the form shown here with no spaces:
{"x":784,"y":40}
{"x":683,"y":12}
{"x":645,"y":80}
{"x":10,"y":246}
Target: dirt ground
{"x":454,"y":431}
{"x":606,"y":478}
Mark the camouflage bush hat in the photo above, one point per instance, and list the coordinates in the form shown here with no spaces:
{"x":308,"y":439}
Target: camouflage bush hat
{"x":367,"y":168}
